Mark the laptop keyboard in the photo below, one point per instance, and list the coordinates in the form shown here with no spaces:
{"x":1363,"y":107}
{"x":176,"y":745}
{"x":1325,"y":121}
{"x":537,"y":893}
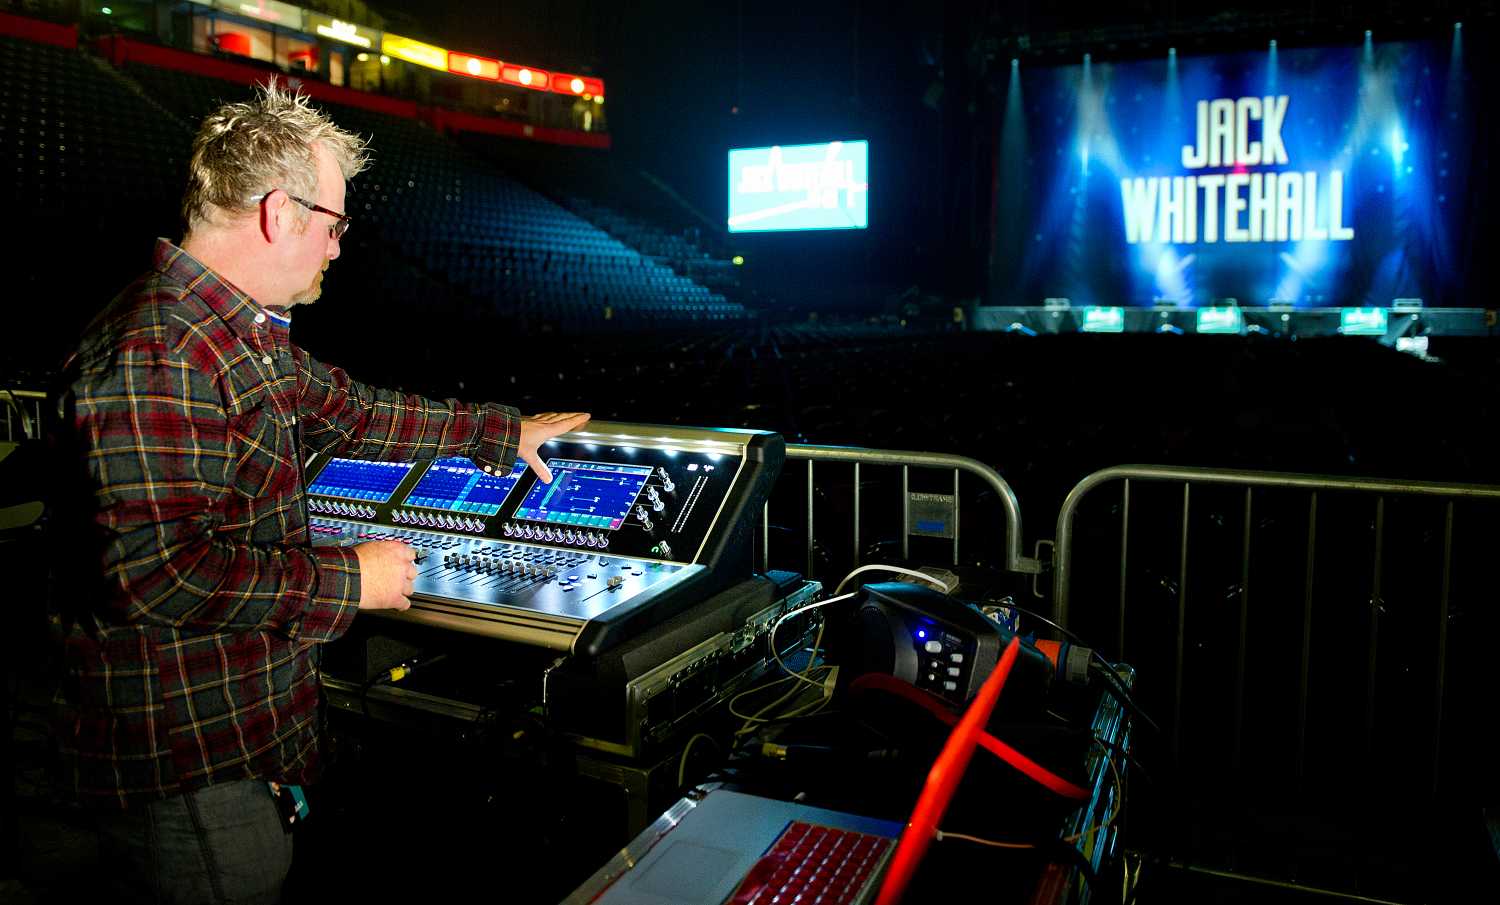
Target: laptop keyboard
{"x":811,"y":863}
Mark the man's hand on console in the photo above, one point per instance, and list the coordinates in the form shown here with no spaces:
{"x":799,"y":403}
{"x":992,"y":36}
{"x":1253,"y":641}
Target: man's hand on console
{"x":538,"y":429}
{"x":386,"y":572}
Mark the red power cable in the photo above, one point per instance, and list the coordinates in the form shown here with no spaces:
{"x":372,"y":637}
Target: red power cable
{"x":942,"y":780}
{"x":939,"y":708}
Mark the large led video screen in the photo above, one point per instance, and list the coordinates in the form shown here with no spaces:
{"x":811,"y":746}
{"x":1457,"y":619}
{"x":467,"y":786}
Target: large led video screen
{"x":1307,"y":177}
{"x":797,"y":187}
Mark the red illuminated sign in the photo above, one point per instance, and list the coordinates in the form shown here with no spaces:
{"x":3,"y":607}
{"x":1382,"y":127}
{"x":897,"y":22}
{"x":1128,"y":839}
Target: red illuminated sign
{"x":470,"y":65}
{"x":564,"y":83}
{"x":525,"y":76}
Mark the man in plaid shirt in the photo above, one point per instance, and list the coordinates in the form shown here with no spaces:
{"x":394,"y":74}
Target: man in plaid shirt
{"x":191,"y":670}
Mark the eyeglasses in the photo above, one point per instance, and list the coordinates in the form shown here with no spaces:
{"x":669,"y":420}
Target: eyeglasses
{"x":336,"y":229}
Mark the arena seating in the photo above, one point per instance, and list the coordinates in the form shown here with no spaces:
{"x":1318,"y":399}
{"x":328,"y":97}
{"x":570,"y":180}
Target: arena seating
{"x":464,"y":223}
{"x":621,"y":200}
{"x":449,"y":239}
{"x":94,"y":171}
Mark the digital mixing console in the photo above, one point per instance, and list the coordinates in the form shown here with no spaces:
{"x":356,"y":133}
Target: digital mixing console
{"x":638,"y":523}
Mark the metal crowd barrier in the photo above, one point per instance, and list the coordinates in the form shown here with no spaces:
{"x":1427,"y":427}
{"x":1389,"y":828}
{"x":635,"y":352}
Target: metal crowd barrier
{"x":944,"y":508}
{"x":1066,"y":565}
{"x":23,"y":413}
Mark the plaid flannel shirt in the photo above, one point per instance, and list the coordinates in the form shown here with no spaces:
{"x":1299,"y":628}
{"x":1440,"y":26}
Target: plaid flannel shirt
{"x":191,"y":663}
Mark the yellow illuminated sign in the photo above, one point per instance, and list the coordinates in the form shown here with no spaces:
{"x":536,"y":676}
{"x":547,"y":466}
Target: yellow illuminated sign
{"x":265,"y":10}
{"x":414,"y":52}
{"x":339,"y":30}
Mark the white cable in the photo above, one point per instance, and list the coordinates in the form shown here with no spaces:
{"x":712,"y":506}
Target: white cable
{"x":838,"y":596}
{"x":912,"y":572}
{"x":787,"y":615}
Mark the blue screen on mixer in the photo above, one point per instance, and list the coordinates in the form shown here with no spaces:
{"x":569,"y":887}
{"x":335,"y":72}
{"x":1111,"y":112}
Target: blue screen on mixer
{"x":585,"y":494}
{"x":458,"y":485}
{"x":358,"y":480}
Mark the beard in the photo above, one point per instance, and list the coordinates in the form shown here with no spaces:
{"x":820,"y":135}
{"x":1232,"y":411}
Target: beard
{"x":313,"y":291}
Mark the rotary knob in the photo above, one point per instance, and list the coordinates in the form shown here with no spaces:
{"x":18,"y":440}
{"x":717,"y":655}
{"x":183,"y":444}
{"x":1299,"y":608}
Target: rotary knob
{"x":666,"y":479}
{"x":508,"y":529}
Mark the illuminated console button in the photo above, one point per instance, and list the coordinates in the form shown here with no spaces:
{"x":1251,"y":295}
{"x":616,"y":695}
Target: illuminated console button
{"x":954,"y":671}
{"x":956,"y":658}
{"x":950,"y":686}
{"x":933,"y":647}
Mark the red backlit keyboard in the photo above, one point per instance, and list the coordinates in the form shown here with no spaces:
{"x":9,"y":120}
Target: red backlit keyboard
{"x":811,"y":863}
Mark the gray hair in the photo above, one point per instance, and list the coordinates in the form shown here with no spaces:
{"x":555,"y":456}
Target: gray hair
{"x":250,"y":148}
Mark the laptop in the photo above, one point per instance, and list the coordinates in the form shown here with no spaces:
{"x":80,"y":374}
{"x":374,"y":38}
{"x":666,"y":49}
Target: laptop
{"x":730,"y":848}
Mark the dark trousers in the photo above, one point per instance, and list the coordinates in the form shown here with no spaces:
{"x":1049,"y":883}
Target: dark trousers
{"x":222,"y":844}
